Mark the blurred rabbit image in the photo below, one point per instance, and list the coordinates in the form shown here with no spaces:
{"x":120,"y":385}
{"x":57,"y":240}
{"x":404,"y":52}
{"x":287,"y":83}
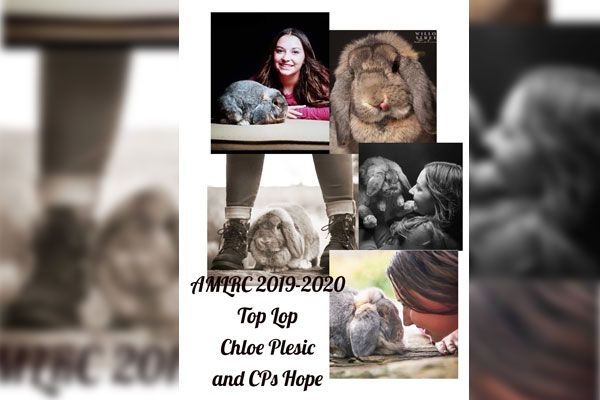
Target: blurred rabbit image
{"x":16,"y":261}
{"x":136,"y":262}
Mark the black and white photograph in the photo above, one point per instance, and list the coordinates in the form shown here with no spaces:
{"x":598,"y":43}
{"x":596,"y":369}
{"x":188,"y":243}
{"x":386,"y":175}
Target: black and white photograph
{"x":272,"y":93}
{"x":280,"y":214}
{"x":383,"y":88}
{"x":410,"y":196}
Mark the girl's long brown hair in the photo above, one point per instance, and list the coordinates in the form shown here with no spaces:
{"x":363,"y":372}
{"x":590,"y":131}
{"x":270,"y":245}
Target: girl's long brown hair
{"x":312,"y":88}
{"x":444,"y":181}
{"x":431,"y":274}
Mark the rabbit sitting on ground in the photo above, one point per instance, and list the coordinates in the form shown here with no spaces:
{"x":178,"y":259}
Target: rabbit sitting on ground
{"x":283,"y":238}
{"x":382,"y":184}
{"x":363,"y":323}
{"x":381,"y":94}
{"x":250,"y":103}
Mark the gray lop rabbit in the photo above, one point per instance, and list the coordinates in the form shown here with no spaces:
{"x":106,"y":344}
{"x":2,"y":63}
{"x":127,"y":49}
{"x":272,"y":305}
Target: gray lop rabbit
{"x":363,"y":323}
{"x":283,"y":238}
{"x":250,"y":103}
{"x":381,"y":189}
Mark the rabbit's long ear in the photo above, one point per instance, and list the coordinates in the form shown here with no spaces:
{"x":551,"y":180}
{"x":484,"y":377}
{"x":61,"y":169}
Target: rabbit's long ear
{"x":292,"y":238}
{"x":401,"y":177}
{"x":363,"y":330}
{"x":363,"y":170}
{"x":340,"y":109}
{"x":423,"y":93}
{"x":375,"y":183}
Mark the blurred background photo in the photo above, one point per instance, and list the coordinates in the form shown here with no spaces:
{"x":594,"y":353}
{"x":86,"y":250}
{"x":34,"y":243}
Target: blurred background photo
{"x":533,"y":184}
{"x":88,"y":188}
{"x":534,"y":148}
{"x":508,"y":11}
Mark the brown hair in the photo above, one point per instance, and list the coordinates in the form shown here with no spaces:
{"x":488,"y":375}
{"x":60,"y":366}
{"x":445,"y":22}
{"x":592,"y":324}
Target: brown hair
{"x":537,"y":338}
{"x":313,"y":84}
{"x":443,"y":181}
{"x":431,"y":274}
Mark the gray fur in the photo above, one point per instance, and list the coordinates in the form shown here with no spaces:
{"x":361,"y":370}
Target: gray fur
{"x":363,"y":323}
{"x":250,"y":103}
{"x":381,"y":187}
{"x":372,"y":68}
{"x":283,"y":238}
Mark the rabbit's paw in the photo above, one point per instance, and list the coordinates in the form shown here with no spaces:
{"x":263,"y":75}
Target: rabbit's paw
{"x":300,"y":264}
{"x":271,"y":268}
{"x":400,"y":201}
{"x":243,"y":122}
{"x":370,"y":222}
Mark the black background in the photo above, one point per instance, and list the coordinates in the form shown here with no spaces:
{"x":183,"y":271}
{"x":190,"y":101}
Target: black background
{"x":339,"y":39}
{"x":240,"y":43}
{"x":412,"y":157}
{"x":500,"y":55}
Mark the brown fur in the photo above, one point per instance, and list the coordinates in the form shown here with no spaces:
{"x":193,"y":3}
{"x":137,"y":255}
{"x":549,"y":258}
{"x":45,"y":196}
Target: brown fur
{"x":374,"y":69}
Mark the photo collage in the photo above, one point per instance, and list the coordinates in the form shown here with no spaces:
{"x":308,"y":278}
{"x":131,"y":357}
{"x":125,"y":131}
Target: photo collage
{"x":326,"y":159}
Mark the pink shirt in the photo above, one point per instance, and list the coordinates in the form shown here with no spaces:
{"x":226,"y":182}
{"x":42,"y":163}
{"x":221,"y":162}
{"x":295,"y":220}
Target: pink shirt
{"x":319,"y":113}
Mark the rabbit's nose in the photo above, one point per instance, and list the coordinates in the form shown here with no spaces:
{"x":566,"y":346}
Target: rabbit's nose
{"x":383,"y":106}
{"x":265,"y":241}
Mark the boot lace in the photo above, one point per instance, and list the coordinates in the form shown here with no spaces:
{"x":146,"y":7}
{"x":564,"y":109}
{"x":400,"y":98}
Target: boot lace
{"x":341,"y":230}
{"x":233,"y":237}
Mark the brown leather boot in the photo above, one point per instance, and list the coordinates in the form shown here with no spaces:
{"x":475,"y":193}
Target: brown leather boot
{"x":52,"y":297}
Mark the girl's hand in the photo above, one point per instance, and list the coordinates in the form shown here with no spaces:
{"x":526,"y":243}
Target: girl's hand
{"x":292,"y":113}
{"x":449,"y":344}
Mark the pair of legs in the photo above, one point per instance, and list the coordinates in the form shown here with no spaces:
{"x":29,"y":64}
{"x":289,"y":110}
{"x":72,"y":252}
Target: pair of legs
{"x":243,"y":181}
{"x":81,"y":93}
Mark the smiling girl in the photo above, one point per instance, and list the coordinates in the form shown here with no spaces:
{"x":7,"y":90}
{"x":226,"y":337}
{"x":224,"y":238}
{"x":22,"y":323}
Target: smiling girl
{"x":437,"y":199}
{"x":292,"y":68}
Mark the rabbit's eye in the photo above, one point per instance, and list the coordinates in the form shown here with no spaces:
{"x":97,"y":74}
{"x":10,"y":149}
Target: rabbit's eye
{"x":278,"y":226}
